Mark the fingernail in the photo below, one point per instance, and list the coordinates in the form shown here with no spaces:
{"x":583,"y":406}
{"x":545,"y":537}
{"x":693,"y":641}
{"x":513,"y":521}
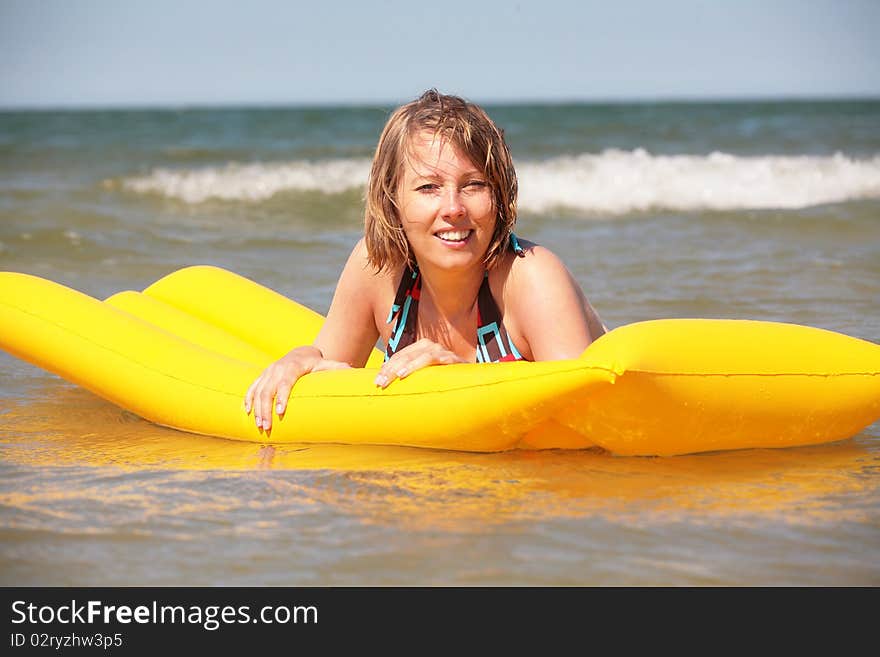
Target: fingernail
{"x":402,"y":372}
{"x":266,"y":424}
{"x":279,"y":408}
{"x":382,"y":380}
{"x":258,"y":421}
{"x":247,"y":407}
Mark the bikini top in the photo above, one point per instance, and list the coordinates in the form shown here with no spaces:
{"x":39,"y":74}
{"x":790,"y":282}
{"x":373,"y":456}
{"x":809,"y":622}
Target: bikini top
{"x":493,"y":343}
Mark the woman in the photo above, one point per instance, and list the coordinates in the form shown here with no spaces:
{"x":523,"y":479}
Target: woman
{"x":439,"y":277}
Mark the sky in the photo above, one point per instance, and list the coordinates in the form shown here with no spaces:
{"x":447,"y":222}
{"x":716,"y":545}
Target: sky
{"x":158,"y":53}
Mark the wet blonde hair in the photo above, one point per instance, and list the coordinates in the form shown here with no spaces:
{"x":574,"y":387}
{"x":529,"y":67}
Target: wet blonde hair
{"x":470,"y":130}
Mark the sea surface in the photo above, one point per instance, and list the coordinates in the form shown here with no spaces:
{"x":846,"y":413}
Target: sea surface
{"x":748,"y":210}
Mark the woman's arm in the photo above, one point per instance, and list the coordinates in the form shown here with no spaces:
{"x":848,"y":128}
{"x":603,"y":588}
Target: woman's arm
{"x":345,"y":340}
{"x":350,"y":332}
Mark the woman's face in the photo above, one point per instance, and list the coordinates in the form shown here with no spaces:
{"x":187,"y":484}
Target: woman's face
{"x":446,"y":205}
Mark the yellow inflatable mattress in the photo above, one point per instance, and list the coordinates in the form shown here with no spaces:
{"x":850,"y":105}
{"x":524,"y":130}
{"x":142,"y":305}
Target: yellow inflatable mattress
{"x":182,"y":353}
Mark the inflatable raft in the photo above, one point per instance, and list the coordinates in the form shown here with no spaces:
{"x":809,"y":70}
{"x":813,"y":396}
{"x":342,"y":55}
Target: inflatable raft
{"x":182,"y":353}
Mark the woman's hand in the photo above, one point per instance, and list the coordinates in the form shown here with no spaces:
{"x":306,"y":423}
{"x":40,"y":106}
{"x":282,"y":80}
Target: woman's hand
{"x":414,"y":357}
{"x":276,"y":381}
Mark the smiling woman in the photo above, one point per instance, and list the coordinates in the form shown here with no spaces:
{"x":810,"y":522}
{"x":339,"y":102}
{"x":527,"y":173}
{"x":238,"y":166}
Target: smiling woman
{"x":439,"y":276}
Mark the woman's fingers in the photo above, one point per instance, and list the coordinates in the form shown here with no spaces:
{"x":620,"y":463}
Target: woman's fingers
{"x":414,"y":357}
{"x":282,"y":394}
{"x":276,"y":391}
{"x":263,"y":391}
{"x":249,"y":395}
{"x":398,"y":362}
{"x":264,"y":395}
{"x":270,"y":392}
{"x":434,"y":357}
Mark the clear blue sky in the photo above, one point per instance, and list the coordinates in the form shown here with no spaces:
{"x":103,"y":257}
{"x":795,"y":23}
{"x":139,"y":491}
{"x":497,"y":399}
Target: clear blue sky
{"x":160,"y":52}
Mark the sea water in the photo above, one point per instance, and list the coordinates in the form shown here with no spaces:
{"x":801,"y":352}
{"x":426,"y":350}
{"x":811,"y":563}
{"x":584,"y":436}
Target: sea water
{"x":748,"y":210}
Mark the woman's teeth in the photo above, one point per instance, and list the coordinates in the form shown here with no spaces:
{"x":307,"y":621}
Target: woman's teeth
{"x":454,"y":235}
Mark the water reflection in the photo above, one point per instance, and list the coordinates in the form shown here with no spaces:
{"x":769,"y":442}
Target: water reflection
{"x":144,"y":467}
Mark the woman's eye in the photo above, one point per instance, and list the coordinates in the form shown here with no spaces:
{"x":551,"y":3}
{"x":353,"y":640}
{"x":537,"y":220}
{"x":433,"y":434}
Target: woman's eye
{"x":477,"y":184}
{"x":430,"y":187}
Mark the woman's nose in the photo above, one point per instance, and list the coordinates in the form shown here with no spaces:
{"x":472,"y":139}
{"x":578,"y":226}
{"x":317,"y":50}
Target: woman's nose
{"x":452,"y":203}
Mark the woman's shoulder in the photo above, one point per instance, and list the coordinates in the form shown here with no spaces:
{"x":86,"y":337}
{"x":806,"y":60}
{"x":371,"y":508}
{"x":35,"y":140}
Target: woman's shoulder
{"x":534,"y":280}
{"x":545,"y":306}
{"x":359,"y":263}
{"x":535,"y":256}
{"x":528,"y":271}
{"x":360,"y":275}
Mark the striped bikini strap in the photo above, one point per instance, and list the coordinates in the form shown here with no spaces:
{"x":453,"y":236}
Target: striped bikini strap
{"x":493,"y":342}
{"x":405,"y":308}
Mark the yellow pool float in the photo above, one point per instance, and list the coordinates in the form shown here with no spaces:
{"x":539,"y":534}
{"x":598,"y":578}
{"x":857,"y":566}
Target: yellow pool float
{"x":182,"y":353}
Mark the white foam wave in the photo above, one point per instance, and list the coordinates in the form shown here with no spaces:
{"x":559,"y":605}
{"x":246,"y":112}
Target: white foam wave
{"x":616,"y":181}
{"x":252,"y":182}
{"x":611,"y":182}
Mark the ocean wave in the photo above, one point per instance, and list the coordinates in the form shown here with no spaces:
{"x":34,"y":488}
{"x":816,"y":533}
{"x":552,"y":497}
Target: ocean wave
{"x":611,"y":182}
{"x":617,"y":182}
{"x":251,"y":182}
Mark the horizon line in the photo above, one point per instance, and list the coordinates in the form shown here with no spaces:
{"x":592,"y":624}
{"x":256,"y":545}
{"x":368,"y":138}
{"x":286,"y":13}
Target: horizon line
{"x":378,"y":103}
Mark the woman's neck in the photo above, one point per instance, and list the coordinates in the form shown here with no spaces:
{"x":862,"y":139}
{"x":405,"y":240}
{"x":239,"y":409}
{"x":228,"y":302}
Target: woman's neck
{"x":451,"y":295}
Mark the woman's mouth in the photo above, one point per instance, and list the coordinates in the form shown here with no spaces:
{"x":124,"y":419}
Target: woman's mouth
{"x":453,"y":236}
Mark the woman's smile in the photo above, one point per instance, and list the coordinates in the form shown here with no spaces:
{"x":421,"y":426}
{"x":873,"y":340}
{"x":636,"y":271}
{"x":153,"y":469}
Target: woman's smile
{"x":454,"y":238}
